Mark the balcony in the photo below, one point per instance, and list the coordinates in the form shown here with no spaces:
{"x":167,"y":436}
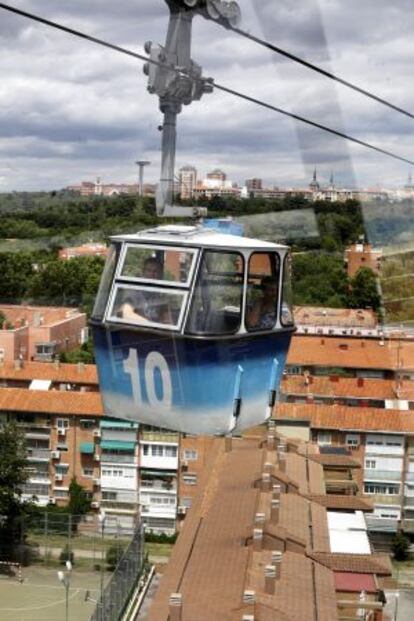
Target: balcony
{"x":118,"y":458}
{"x":382,"y":449}
{"x":165,"y":511}
{"x":158,"y":486}
{"x":382,"y":525}
{"x":120,"y":507}
{"x":382,"y":475}
{"x":160,"y":436}
{"x":34,"y":454}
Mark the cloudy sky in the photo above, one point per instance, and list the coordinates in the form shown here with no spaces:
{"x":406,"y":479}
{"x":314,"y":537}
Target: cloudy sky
{"x":71,"y":110}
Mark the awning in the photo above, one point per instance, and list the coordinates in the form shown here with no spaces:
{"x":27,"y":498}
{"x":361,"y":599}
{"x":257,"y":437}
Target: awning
{"x":87,"y":448}
{"x":118,"y":424}
{"x":117,"y":445}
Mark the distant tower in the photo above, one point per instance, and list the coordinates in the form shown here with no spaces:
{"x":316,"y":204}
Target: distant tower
{"x":331,"y":181}
{"x":409,"y":185}
{"x":314,"y":185}
{"x":141,"y":164}
{"x":187,"y":181}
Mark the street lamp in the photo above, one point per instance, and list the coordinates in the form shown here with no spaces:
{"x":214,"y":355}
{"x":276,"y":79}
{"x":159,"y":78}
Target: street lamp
{"x":102,"y":518}
{"x":64,"y":577}
{"x":397,"y":597}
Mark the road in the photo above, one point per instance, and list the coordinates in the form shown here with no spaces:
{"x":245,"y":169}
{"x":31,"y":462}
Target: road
{"x":401,"y":608}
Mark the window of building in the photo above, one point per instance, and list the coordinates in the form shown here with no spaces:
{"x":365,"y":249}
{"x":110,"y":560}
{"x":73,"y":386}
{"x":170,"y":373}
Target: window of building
{"x":352,"y":440}
{"x":324,"y":438}
{"x":61,"y":468}
{"x":186,"y":502}
{"x":190,"y":455}
{"x":62,"y":446}
{"x":145,"y":449}
{"x":157,"y":450}
{"x":390,"y":489}
{"x":170,"y":451}
{"x":61,"y":493}
{"x":189,"y":478}
{"x":87,"y":472}
{"x":109,"y":495}
{"x":370,"y":463}
{"x":62,"y":423}
{"x":87,"y":423}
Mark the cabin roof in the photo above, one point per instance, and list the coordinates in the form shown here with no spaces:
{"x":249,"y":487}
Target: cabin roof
{"x":196,"y":236}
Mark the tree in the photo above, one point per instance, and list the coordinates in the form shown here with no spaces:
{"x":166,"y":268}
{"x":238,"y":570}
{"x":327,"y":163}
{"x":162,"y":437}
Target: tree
{"x":363,"y":290}
{"x":400,"y":547}
{"x":13,"y":475}
{"x":79,"y":503}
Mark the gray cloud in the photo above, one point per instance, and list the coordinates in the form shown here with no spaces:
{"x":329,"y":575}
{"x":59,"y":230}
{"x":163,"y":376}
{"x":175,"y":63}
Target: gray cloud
{"x":76,"y":109}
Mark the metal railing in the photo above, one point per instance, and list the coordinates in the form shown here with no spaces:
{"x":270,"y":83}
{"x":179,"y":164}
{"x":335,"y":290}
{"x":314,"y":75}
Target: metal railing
{"x":118,"y":591}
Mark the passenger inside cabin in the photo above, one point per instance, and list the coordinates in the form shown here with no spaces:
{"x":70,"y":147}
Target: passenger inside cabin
{"x":262,"y":314}
{"x":147,"y":306}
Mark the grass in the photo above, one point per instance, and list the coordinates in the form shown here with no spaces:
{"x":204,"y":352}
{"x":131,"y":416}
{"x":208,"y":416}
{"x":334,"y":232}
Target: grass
{"x":159,"y":549}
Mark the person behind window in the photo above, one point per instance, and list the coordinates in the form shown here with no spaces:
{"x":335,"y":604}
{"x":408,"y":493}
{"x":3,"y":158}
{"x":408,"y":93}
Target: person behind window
{"x":147,"y":306}
{"x":263,"y":312}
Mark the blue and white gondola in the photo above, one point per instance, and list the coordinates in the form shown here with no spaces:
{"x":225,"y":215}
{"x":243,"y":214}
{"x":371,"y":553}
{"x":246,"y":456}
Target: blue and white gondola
{"x":185,"y":347}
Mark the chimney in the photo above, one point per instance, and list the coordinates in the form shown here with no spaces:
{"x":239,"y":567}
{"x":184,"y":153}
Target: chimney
{"x":282,"y":462}
{"x":18,"y":364}
{"x":248,"y":618}
{"x":277,"y":562}
{"x":268,"y":467}
{"x":276,"y":489}
{"x":270,"y":579}
{"x":56,"y":363}
{"x":249,"y":598}
{"x":259,"y":519}
{"x":257,"y":539}
{"x":274,"y":510}
{"x":81,"y":367}
{"x":228,"y":443}
{"x":176,"y":607}
{"x":271,"y":442}
{"x":265,"y":482}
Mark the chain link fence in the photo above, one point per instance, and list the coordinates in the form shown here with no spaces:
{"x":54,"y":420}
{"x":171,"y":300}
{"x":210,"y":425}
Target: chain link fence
{"x":115,"y":596}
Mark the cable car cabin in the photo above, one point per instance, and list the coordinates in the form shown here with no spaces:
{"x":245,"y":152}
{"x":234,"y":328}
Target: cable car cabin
{"x":192,"y":329}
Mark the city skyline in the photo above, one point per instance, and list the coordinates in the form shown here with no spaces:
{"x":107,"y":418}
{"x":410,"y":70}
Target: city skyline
{"x":83,"y":111}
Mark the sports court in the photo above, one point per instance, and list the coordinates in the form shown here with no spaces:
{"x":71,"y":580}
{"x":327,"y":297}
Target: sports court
{"x":41,"y":597}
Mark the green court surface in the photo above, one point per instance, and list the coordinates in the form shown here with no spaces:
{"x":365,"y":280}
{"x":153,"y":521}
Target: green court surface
{"x":41,"y":597}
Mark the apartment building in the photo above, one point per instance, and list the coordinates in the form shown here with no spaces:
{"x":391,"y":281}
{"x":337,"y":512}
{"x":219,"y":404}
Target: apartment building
{"x":352,"y":356}
{"x":350,"y":391}
{"x":158,"y":474}
{"x":259,"y":543}
{"x":40,"y":333}
{"x":382,"y":440}
{"x":118,"y":456}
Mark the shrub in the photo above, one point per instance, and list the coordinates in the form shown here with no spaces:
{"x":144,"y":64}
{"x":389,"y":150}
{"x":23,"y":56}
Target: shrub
{"x":66,"y":555}
{"x":113,"y":554}
{"x":400,"y":547}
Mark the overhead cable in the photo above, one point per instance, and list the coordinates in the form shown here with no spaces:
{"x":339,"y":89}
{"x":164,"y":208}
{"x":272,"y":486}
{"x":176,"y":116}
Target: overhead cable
{"x":324,"y":72}
{"x":221,"y":87}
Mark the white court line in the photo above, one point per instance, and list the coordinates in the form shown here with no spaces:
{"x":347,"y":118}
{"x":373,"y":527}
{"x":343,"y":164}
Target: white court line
{"x":61,"y":601}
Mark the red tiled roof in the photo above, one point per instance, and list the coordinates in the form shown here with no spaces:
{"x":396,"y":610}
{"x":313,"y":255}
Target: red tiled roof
{"x":354,"y":583}
{"x":379,"y":564}
{"x":337,"y":317}
{"x":62,"y":373}
{"x":346,"y":387}
{"x":50,"y":315}
{"x":50,"y":402}
{"x":339,"y":461}
{"x":347,"y":418}
{"x":356,"y":353}
{"x":342,"y":501}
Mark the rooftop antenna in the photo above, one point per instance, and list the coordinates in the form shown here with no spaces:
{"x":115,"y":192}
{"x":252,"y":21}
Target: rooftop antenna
{"x":182,"y":85}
